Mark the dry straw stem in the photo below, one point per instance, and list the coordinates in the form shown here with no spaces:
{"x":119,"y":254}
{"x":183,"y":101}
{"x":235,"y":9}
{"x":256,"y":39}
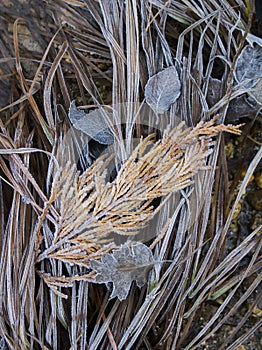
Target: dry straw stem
{"x":91,"y":208}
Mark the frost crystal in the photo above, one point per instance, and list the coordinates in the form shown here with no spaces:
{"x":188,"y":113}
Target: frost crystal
{"x":123,"y":266}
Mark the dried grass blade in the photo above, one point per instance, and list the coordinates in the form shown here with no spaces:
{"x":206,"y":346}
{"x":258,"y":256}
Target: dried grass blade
{"x":48,"y":85}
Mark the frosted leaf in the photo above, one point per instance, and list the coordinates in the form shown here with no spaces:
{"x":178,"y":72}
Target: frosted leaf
{"x":143,"y":254}
{"x":249,"y":66}
{"x":123,"y":266}
{"x":256,"y":93}
{"x":240,"y":107}
{"x":214,"y":92}
{"x":249,"y":71}
{"x":163,"y":89}
{"x":93,"y":124}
